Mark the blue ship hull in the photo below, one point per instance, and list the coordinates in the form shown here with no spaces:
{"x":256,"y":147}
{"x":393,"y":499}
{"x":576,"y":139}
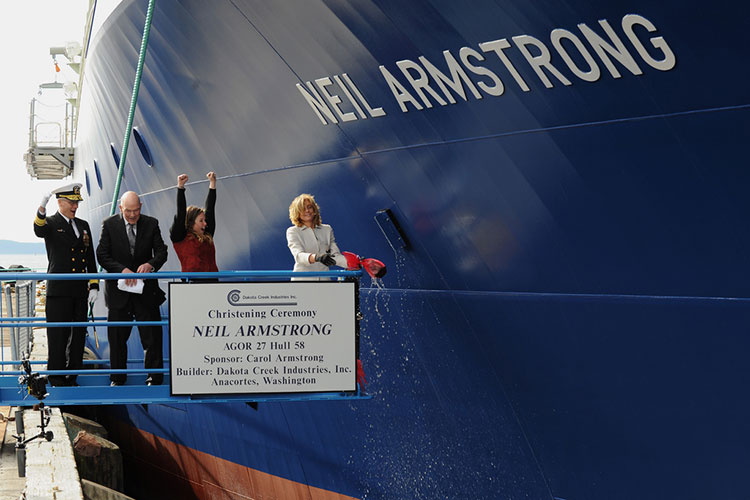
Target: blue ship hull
{"x":568,"y":320}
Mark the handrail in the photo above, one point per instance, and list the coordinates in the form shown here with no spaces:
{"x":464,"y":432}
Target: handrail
{"x":39,"y":319}
{"x":54,"y":324}
{"x":162,"y":275}
{"x":59,"y":143}
{"x":85,"y":361}
{"x":93,"y":371}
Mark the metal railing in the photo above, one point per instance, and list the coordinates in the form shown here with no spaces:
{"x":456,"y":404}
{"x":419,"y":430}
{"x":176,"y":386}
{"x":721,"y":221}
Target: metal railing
{"x":62,"y":124}
{"x":130,"y":394}
{"x":24,"y":293}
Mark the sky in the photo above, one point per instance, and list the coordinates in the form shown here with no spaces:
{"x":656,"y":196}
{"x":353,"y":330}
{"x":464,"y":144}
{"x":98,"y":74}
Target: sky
{"x":28,"y":28}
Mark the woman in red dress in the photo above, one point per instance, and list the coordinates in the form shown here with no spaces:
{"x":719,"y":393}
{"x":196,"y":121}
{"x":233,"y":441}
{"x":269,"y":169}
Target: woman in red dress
{"x":193,"y":229}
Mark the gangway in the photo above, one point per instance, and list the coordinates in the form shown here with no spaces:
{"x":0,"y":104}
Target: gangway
{"x":50,"y":153}
{"x":94,"y":386}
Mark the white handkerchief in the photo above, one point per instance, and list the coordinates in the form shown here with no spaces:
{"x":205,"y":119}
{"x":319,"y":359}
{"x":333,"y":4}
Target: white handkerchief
{"x":137,"y":288}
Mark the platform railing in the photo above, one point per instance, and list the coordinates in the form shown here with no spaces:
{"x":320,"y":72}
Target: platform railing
{"x":135,"y":394}
{"x":24,"y":293}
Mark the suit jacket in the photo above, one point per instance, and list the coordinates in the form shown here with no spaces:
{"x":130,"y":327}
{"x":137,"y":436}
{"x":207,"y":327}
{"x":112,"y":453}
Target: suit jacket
{"x":67,"y":253}
{"x":303,"y":241}
{"x":114,"y":256}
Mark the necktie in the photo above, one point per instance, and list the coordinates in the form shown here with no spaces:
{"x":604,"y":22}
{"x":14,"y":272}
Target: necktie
{"x":72,"y":227}
{"x":131,"y":238}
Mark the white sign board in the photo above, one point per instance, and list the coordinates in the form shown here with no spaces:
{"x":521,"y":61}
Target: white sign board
{"x":248,"y":338}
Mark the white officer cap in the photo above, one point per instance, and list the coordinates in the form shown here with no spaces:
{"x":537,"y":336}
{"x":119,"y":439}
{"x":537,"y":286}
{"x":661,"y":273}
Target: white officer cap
{"x":70,"y":192}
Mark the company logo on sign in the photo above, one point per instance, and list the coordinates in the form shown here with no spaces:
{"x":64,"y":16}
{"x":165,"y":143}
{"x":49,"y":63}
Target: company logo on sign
{"x":235,"y":298}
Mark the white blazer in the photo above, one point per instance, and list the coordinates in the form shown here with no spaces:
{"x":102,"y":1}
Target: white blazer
{"x":303,"y":241}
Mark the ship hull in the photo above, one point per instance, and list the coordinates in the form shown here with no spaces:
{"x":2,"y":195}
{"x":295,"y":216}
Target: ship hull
{"x":564,"y":314}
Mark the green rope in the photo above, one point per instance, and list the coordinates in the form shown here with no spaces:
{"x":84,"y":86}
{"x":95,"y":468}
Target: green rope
{"x":133,"y":101}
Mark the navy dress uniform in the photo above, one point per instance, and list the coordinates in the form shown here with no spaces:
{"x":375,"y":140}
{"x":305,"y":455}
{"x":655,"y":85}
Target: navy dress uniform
{"x":70,"y":249}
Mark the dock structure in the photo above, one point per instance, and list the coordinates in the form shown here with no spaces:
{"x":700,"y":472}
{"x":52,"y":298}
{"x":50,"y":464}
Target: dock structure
{"x":11,"y":486}
{"x":49,"y":466}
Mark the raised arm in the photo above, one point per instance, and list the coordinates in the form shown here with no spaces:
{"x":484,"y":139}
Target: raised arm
{"x":178,"y":231}
{"x":211,"y":204}
{"x":40,"y":221}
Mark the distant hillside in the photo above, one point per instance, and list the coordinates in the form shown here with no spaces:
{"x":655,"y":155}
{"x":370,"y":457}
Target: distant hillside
{"x":17,"y":247}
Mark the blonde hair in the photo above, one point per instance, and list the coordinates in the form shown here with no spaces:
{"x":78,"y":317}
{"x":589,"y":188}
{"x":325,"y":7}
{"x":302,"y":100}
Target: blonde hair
{"x":191,"y":214}
{"x":298,"y":207}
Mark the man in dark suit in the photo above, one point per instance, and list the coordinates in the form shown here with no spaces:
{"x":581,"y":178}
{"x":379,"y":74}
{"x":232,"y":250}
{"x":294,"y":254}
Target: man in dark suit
{"x":131,"y":243}
{"x":69,"y":250}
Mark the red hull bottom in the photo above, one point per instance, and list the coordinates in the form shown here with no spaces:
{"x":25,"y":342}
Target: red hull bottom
{"x":159,"y":468}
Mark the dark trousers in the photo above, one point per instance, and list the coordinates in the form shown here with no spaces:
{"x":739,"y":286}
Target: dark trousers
{"x":65,"y":344}
{"x":151,"y":339}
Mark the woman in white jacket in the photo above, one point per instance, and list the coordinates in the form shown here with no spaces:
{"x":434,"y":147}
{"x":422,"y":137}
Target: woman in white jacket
{"x":311,"y":242}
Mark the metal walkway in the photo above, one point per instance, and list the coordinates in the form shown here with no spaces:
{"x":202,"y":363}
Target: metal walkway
{"x":94,"y":383}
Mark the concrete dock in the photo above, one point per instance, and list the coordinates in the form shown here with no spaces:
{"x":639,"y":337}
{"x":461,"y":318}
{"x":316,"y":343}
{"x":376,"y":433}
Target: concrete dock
{"x":11,"y":486}
{"x":50,"y":466}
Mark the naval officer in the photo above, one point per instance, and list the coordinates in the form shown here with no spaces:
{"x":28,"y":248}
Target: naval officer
{"x":69,"y":250}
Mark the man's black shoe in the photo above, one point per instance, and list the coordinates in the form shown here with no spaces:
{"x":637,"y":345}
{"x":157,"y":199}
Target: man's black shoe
{"x":113,"y":383}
